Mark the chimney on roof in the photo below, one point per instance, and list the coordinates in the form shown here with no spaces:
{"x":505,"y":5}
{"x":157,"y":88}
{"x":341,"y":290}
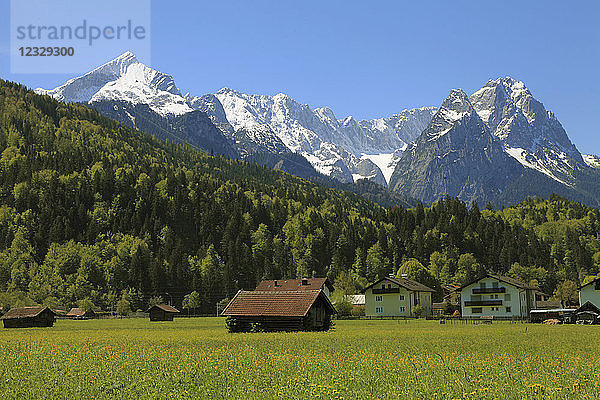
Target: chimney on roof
{"x":304,"y":281}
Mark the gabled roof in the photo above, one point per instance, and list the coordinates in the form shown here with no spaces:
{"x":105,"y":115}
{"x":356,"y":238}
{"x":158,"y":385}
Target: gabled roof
{"x":405,"y":283}
{"x":356,"y":299}
{"x":294,"y":284}
{"x":25,"y":312}
{"x":588,"y":307}
{"x":589,"y":283}
{"x":508,"y":280}
{"x":165,"y":308}
{"x":295,"y":303}
{"x":76,"y":312}
{"x":548,"y":305}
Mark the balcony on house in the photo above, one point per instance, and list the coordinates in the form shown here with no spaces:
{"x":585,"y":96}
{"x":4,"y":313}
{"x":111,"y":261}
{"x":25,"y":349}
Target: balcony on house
{"x":488,"y":290}
{"x":482,"y":303}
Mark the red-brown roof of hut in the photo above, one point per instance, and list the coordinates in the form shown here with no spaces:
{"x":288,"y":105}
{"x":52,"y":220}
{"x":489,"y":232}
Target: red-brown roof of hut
{"x":165,"y":307}
{"x":75,"y":312}
{"x":24,"y":312}
{"x":284,"y":285}
{"x":295,"y":303}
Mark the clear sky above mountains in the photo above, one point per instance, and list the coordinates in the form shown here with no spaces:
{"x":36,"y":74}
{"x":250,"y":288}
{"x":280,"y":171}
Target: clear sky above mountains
{"x":372,"y":59}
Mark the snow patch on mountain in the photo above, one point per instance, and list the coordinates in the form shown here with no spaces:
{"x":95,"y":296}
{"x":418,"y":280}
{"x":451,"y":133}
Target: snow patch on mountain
{"x":529,"y":160}
{"x":385,"y":161}
{"x":591,"y":160}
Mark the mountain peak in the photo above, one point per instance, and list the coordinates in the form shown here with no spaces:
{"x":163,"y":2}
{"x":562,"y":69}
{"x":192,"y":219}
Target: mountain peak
{"x":457,"y":97}
{"x":227,"y":90}
{"x":126,"y":56}
{"x":455,"y":107}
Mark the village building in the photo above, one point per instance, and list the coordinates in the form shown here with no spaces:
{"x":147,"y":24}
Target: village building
{"x":27,"y":317}
{"x":547,"y":304}
{"x":588,"y":313}
{"x":272,"y":310}
{"x":78,"y":313}
{"x":162,"y":312}
{"x":286,"y":285}
{"x":590,"y":292}
{"x":497,"y":296}
{"x":357,"y":300}
{"x":396,"y":297}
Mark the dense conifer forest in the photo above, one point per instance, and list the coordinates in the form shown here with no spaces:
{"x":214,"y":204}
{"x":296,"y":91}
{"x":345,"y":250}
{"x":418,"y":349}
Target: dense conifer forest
{"x":94,"y":211}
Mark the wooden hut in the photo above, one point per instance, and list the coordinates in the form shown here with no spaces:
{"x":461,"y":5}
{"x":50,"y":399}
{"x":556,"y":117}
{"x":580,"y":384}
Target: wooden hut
{"x":587,"y":314}
{"x":297,"y":310}
{"x":162,"y":312}
{"x":78,"y":313}
{"x":27,"y":317}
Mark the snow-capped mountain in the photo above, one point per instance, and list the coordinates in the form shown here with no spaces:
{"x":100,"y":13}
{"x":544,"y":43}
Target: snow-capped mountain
{"x":124,"y":79}
{"x":345,"y":149}
{"x":456,"y":156}
{"x":529,"y":133}
{"x":342,"y":148}
{"x":499,"y":143}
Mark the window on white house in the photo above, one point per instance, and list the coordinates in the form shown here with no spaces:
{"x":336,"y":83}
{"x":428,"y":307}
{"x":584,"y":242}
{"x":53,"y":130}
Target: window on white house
{"x":401,"y":297}
{"x":378,"y":298}
{"x":507,"y":309}
{"x":379,"y":310}
{"x":494,"y":284}
{"x":477,"y":310}
{"x":402,"y":309}
{"x":482,"y":285}
{"x":507,"y":297}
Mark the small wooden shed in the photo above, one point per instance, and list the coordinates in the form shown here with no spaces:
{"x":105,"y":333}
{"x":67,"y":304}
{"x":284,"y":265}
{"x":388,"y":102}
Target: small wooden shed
{"x":298,"y":310}
{"x":162,"y":312}
{"x":27,"y":317}
{"x":78,"y":313}
{"x":587,"y":314}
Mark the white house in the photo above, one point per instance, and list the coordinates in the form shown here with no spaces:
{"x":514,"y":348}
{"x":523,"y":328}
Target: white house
{"x":497,"y":296}
{"x":590,"y":292}
{"x":395,"y":297}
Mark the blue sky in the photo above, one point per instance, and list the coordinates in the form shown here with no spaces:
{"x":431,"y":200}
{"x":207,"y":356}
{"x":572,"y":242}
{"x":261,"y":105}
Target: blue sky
{"x":373,"y":59}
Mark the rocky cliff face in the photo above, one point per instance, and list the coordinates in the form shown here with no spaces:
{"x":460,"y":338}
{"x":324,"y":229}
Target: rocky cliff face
{"x":529,"y":133}
{"x":456,"y":156}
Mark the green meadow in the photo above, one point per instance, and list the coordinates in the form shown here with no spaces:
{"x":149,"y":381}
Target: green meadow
{"x":197,"y":358}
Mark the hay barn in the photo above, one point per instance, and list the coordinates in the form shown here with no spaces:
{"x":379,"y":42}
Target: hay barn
{"x":162,"y":312}
{"x":296,"y":310}
{"x":27,"y":317}
{"x":78,"y":313}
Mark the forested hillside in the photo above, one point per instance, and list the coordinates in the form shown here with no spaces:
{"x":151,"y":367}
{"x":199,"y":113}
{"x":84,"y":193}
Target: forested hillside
{"x":92,"y":210}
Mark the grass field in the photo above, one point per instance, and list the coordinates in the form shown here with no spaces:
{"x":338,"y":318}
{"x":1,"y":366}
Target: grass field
{"x":196,"y":358}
